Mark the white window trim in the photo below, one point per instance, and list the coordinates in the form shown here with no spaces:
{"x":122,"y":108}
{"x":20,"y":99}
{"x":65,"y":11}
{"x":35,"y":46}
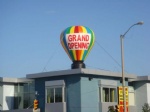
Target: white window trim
{"x":63,"y":97}
{"x":55,"y":84}
{"x":107,"y":84}
{"x":131,"y":90}
{"x":101,"y":94}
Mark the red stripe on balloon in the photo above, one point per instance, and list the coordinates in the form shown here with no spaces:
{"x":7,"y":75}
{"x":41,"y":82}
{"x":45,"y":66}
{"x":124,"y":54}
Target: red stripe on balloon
{"x":76,"y":30}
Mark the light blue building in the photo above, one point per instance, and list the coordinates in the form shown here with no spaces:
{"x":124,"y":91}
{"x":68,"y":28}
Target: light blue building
{"x":88,"y":90}
{"x":73,"y":90}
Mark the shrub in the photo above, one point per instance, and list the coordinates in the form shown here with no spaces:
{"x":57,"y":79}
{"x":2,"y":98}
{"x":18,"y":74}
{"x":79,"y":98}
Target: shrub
{"x":146,"y":108}
{"x":111,"y":109}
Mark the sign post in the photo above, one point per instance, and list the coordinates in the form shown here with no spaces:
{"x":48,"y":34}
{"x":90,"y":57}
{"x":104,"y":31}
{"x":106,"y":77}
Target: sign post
{"x":120,"y":99}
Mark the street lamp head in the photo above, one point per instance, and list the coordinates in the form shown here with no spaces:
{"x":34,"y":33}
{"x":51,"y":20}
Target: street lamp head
{"x":140,"y":23}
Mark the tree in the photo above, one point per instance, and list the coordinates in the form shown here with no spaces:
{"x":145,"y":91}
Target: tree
{"x":111,"y":109}
{"x":146,"y":108}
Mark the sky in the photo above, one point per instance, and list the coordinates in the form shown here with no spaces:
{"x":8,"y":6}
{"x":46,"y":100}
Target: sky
{"x":30,"y":35}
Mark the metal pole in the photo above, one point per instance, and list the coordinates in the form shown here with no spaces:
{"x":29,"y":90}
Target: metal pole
{"x":122,"y":61}
{"x":123,"y":78}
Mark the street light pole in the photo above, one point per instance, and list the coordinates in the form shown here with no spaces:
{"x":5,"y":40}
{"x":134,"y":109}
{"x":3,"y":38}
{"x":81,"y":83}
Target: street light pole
{"x":122,"y":62}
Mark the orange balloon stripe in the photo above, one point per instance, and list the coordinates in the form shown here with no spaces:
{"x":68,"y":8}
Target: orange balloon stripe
{"x":80,"y":29}
{"x":81,"y":54}
{"x":78,"y":54}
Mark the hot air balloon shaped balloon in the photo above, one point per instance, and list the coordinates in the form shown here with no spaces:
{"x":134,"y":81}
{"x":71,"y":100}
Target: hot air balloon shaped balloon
{"x":77,"y":41}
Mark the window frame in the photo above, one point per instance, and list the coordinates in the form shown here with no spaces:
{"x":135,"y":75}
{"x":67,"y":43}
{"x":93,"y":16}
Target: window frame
{"x":131,"y":90}
{"x":109,"y":88}
{"x":54,"y":87}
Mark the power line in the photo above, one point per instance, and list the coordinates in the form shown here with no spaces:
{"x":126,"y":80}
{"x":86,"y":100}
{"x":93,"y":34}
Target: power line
{"x":52,"y":55}
{"x":108,"y":54}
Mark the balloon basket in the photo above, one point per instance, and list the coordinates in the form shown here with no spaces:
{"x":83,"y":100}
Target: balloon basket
{"x":77,"y":64}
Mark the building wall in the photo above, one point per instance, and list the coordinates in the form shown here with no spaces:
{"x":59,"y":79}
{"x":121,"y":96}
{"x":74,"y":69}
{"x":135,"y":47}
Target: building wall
{"x":40,"y":87}
{"x":1,"y":96}
{"x":89,"y":95}
{"x":131,"y":97}
{"x":8,"y":97}
{"x":73,"y":90}
{"x":132,"y":109}
{"x":57,"y":106}
{"x":148,"y":93}
{"x":109,"y":83}
{"x":140,"y":95}
{"x":81,"y":92}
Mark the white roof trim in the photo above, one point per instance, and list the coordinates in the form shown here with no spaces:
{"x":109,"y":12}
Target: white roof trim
{"x":14,"y":80}
{"x":79,"y":71}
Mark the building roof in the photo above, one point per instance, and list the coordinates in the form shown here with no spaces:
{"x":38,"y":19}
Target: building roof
{"x":79,"y":71}
{"x":14,"y":80}
{"x":141,"y":78}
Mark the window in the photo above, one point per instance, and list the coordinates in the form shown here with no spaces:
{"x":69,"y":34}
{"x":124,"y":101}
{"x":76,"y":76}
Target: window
{"x":131,"y":95}
{"x":24,"y":95}
{"x":131,"y":99}
{"x":55,"y":91}
{"x":105,"y":94}
{"x":108,"y":94}
{"x":58,"y":94}
{"x":54,"y":94}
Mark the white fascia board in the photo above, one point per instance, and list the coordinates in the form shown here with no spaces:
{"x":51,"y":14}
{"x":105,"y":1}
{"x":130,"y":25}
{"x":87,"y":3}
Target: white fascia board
{"x":79,"y":71}
{"x":54,"y":73}
{"x":141,"y":78}
{"x":14,"y":80}
{"x":107,"y":73}
{"x":10,"y":80}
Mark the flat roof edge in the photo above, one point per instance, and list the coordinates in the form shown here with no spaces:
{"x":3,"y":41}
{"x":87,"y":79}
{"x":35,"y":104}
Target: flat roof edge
{"x":107,"y":73}
{"x":141,"y":78}
{"x":10,"y":80}
{"x":54,"y":73}
{"x":79,"y":71}
{"x":14,"y":80}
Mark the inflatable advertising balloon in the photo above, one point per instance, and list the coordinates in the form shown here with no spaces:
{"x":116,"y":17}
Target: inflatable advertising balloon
{"x":77,"y":41}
